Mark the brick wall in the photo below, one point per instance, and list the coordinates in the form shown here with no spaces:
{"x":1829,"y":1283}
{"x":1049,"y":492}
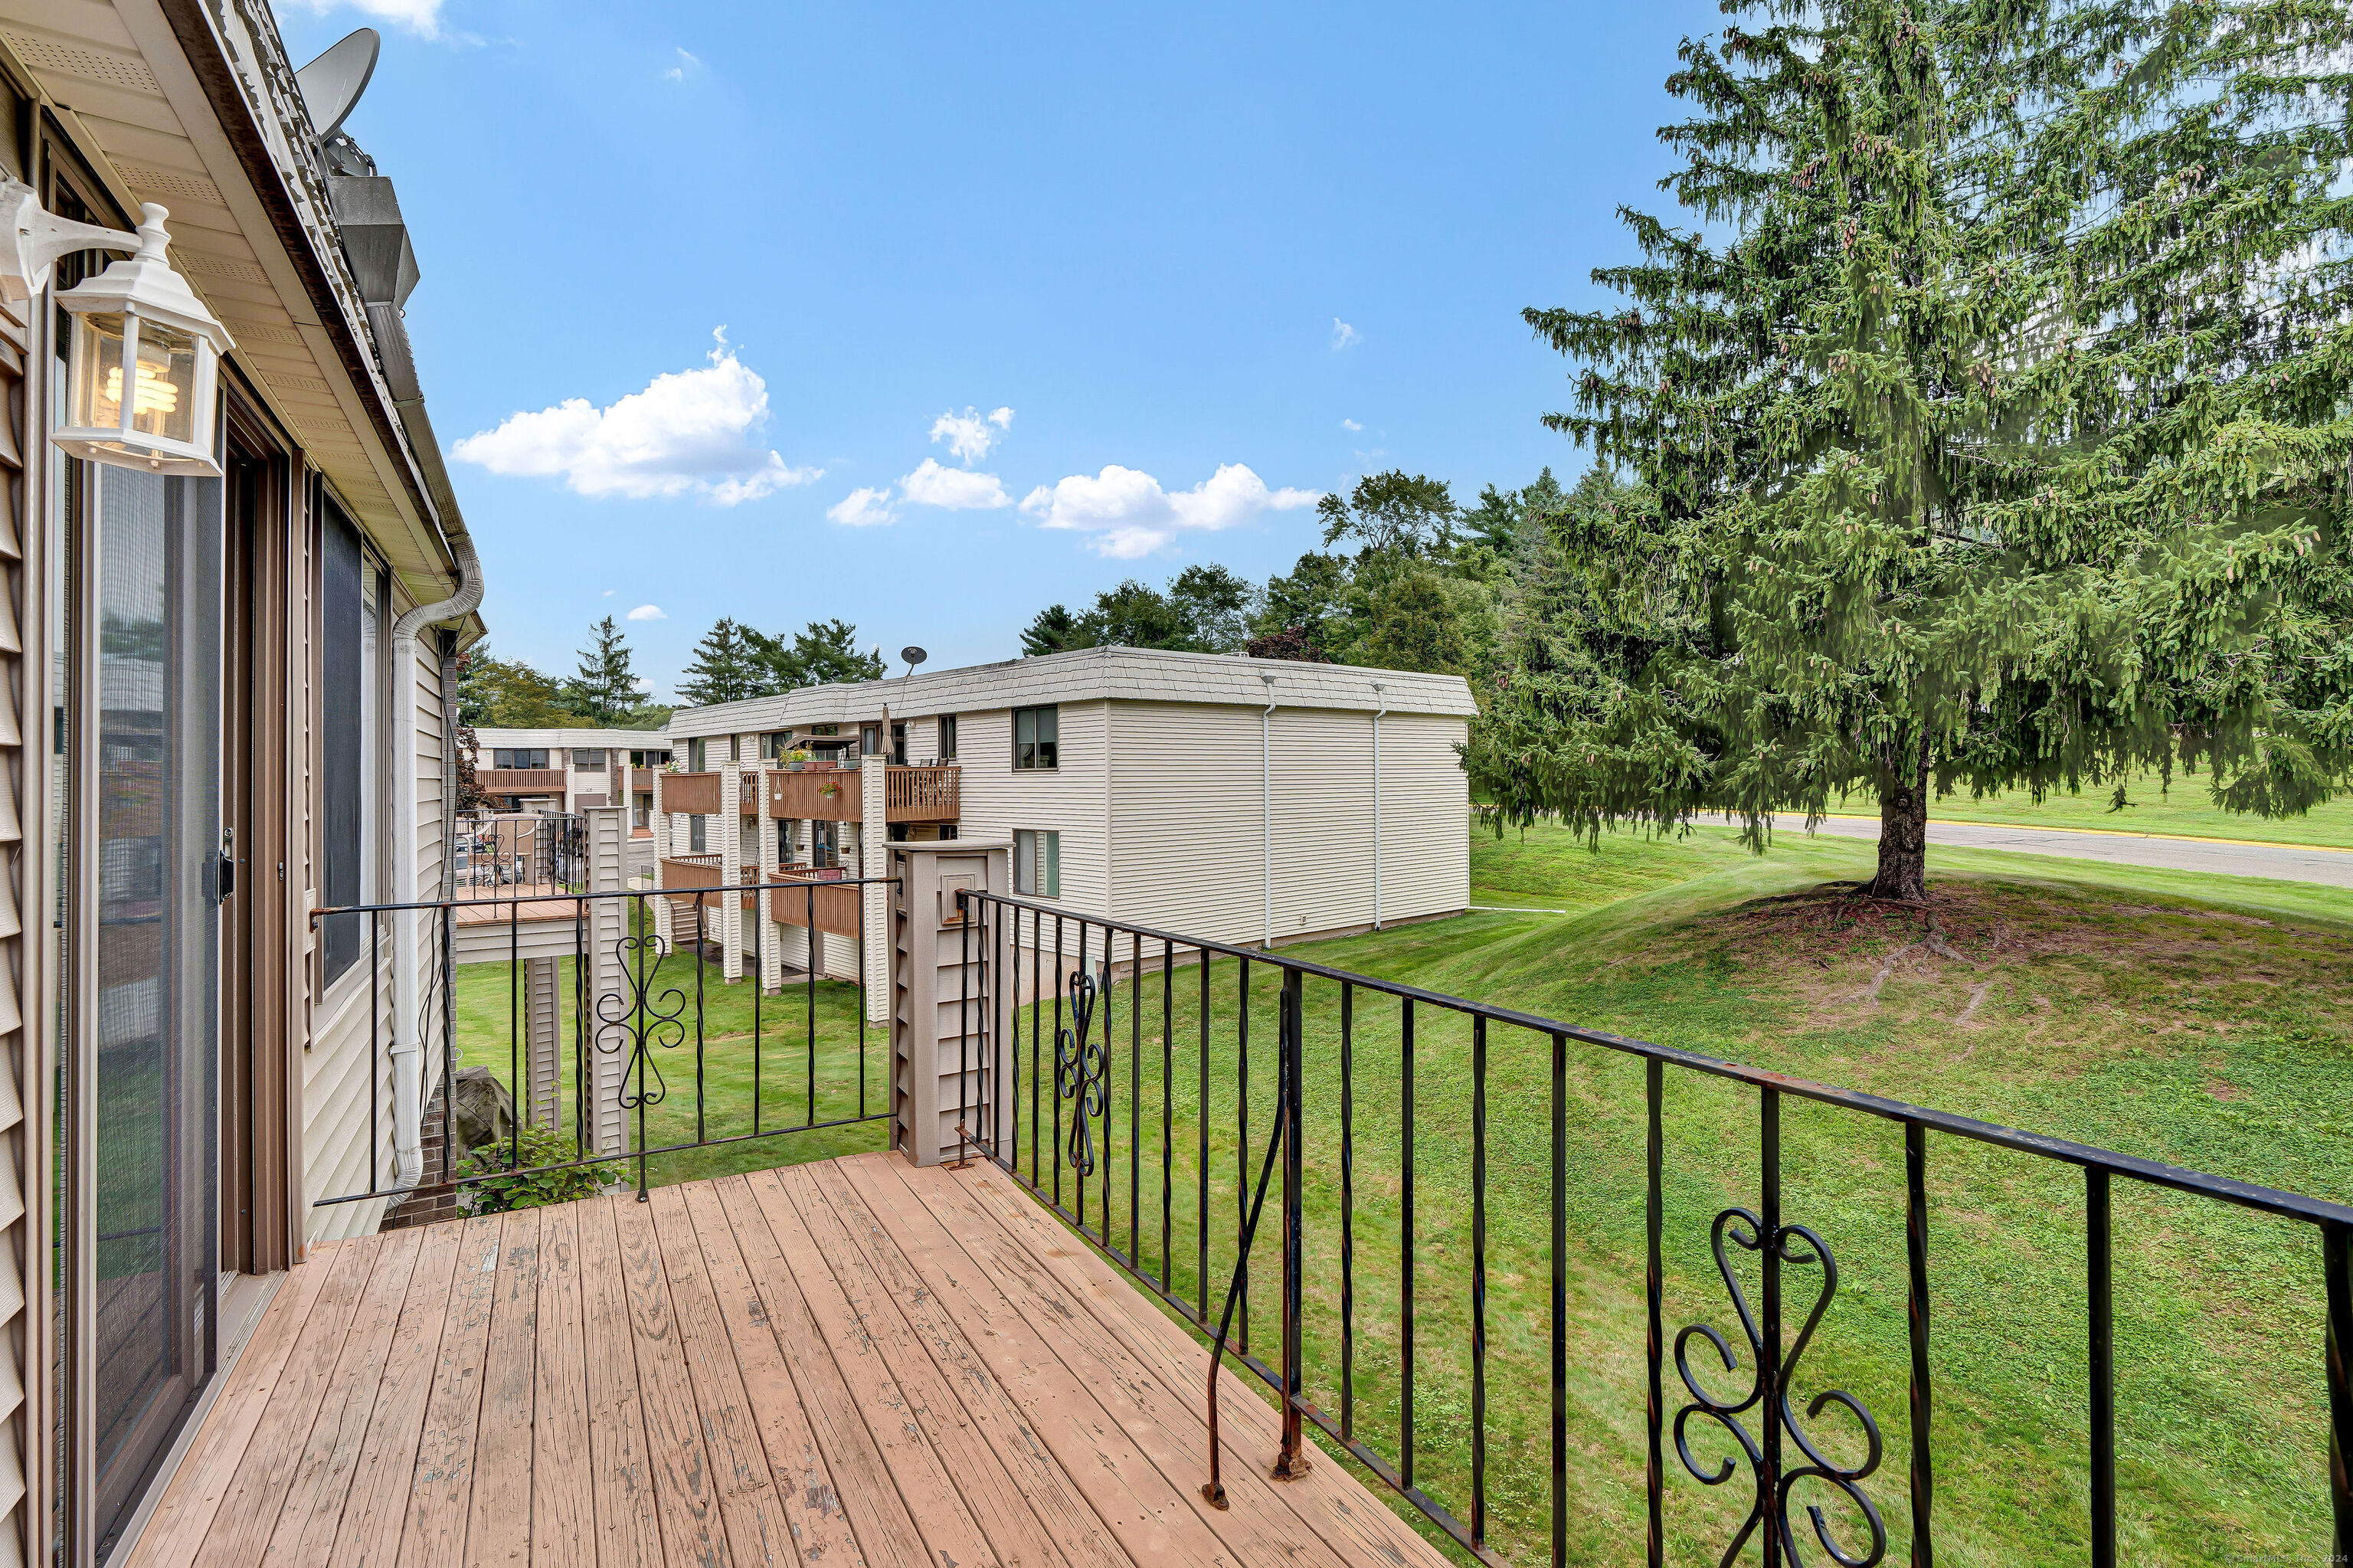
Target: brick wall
{"x":432,"y":1200}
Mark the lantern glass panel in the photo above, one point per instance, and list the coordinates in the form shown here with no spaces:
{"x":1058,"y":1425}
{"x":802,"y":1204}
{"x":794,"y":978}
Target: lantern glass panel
{"x":167,"y":384}
{"x":97,"y":370}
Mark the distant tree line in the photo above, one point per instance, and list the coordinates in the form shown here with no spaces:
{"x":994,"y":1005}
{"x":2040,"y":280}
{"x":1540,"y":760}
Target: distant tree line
{"x":601,"y":693}
{"x":1406,"y":580}
{"x":734,"y":662}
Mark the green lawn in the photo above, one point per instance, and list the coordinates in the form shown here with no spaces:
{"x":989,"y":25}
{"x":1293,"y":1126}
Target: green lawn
{"x":2196,"y":1020}
{"x":2185,"y":810}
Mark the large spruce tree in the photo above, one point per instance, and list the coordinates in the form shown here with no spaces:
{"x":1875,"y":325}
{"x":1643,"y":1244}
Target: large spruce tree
{"x":605,"y":691}
{"x":1989,"y":420}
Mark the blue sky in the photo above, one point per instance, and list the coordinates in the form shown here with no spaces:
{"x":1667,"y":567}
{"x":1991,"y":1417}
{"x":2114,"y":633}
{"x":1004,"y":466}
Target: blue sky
{"x":1200,"y":264}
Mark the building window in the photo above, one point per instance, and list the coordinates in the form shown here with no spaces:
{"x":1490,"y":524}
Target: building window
{"x":775,"y":744}
{"x":642,"y":813}
{"x":517,"y":757}
{"x":694,"y":755}
{"x":947,"y":737}
{"x":350,"y":600}
{"x":1038,"y":863}
{"x":870,"y":741}
{"x":695,"y":835}
{"x":588,"y":761}
{"x":1037,"y":738}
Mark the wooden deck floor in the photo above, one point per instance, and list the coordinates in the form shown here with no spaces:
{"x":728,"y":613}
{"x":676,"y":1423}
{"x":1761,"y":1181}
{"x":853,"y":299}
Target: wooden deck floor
{"x":845,"y":1362}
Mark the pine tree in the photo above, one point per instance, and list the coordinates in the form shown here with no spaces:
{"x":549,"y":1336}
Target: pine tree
{"x":826,"y":651}
{"x":1996,"y":443}
{"x":604,"y":692}
{"x":724,"y":670}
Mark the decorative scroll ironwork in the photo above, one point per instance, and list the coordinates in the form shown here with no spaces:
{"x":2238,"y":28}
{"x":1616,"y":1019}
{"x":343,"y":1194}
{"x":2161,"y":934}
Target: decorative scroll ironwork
{"x":1773,"y":1492}
{"x":640,"y":1016}
{"x":1079,"y":1067}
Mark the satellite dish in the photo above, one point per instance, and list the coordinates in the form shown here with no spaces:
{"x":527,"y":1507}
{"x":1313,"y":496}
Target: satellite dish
{"x":913,"y":656}
{"x":333,"y":83}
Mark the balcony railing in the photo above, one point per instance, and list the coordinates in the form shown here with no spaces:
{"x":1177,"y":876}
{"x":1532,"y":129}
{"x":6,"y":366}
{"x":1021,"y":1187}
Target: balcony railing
{"x":929,"y":794}
{"x":1399,"y":1205}
{"x":921,"y":794}
{"x":520,"y":781}
{"x":690,"y":794}
{"x":627,"y":1045}
{"x":824,"y":900}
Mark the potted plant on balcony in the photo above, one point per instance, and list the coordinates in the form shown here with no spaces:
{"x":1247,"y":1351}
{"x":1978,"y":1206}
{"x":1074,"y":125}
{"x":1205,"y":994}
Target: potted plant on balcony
{"x":797,"y":759}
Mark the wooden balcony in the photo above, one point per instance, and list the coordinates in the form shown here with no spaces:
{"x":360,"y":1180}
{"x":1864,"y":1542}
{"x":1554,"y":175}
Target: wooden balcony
{"x":684,"y":872}
{"x":813,"y":795}
{"x":909,"y":794}
{"x":695,"y":794}
{"x":832,"y":910}
{"x":832,"y":1363}
{"x":921,"y":794}
{"x":520,"y":781}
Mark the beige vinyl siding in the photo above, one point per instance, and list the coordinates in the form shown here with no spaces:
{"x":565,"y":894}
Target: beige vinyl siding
{"x":1425,"y":815}
{"x":334,"y":1070}
{"x":1070,"y":800}
{"x":1187,"y":818}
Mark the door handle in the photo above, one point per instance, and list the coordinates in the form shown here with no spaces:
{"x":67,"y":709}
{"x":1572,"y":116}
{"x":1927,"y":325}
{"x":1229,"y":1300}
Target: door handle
{"x":224,"y":878}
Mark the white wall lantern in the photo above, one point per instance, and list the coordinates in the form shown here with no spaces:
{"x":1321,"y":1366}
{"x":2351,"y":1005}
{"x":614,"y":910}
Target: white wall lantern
{"x":144,"y":369}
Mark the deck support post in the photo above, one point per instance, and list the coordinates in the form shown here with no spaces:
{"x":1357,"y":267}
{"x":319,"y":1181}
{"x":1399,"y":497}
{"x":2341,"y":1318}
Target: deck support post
{"x":606,"y":924}
{"x":947,"y":1028}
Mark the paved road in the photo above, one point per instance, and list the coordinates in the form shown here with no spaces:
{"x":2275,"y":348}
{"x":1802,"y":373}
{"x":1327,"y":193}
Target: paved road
{"x":2282,"y":862}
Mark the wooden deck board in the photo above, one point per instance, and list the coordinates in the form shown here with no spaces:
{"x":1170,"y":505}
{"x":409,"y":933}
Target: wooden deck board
{"x":841,"y":1364}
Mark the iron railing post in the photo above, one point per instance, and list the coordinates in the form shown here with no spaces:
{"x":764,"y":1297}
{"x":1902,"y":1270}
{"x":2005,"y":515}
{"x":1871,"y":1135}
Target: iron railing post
{"x":2336,"y":1259}
{"x":1293,"y":1460}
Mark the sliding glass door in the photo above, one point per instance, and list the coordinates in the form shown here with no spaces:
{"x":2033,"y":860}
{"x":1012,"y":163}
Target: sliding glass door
{"x":144,"y":1114}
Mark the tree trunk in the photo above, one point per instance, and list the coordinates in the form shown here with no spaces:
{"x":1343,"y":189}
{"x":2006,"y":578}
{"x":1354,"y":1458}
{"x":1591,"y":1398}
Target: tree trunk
{"x":1904,"y":829}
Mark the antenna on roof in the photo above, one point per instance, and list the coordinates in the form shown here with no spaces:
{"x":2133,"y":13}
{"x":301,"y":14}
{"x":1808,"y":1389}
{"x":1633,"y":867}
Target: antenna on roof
{"x":913,"y":656}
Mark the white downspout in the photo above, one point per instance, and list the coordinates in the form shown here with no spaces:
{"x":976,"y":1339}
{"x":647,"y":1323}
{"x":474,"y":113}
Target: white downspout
{"x":1266,"y":792}
{"x":1383,"y":690}
{"x":409,"y":1024}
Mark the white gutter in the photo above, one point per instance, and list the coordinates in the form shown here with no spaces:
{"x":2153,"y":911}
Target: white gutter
{"x":1383,"y":690}
{"x":410,"y":1023}
{"x":1266,"y":792}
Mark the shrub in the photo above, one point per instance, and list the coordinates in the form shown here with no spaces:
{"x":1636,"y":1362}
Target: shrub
{"x":528,"y":1186}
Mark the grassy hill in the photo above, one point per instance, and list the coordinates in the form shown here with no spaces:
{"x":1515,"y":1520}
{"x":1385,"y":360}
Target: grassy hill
{"x":2184,"y":810}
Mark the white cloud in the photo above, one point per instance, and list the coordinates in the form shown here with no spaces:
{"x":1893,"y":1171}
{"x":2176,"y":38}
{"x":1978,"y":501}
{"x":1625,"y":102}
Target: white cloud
{"x":968,"y":435}
{"x":422,"y":18}
{"x":1343,"y":335}
{"x":645,"y":683}
{"x":1129,"y":514}
{"x":1350,"y":425}
{"x":863,"y":508}
{"x":686,"y":62}
{"x":957,"y":489}
{"x":690,"y":432}
{"x":648,"y":612}
{"x":608,"y":593}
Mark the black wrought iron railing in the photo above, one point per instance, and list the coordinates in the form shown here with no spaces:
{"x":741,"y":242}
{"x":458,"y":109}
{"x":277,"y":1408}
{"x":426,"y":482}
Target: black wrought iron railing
{"x":612,"y":1026}
{"x":1413,"y":1152}
{"x":493,"y":852}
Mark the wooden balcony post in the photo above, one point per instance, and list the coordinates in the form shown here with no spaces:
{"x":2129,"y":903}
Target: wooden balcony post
{"x":873,"y":857}
{"x":662,"y":835}
{"x":731,"y":871}
{"x":772,"y":943}
{"x":944,"y":1024}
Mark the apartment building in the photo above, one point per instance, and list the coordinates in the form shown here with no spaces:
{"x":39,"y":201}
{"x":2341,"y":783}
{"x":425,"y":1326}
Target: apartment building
{"x":233,"y":585}
{"x":570,"y":769}
{"x":1242,"y":799}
